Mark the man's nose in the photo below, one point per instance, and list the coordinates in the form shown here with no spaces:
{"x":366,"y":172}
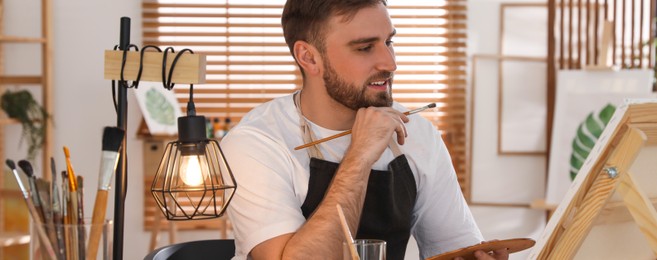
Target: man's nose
{"x":386,"y":59}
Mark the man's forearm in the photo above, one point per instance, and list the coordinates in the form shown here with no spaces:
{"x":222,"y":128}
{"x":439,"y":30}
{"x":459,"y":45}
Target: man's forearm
{"x":322,"y":235}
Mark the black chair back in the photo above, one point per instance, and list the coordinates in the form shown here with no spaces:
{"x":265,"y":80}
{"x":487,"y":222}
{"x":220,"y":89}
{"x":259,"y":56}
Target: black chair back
{"x":216,"y":249}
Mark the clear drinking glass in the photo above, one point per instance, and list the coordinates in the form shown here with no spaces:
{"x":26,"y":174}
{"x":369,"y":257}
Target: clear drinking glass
{"x":367,"y":249}
{"x":70,"y":241}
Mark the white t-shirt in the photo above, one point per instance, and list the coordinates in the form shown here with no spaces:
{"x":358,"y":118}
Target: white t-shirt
{"x":272,"y":179}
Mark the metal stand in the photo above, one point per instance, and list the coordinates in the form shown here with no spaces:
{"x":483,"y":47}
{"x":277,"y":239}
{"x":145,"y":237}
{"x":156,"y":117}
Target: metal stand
{"x":121,"y":182}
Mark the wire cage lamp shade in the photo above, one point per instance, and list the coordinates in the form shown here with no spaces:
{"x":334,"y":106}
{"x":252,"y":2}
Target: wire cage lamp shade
{"x":193,"y":181}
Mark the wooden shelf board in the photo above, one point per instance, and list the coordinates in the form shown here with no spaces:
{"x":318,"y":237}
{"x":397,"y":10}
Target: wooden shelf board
{"x":21,"y":80}
{"x":17,"y":39}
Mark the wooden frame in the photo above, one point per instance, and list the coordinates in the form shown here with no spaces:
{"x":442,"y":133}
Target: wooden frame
{"x":609,"y":169}
{"x":471,"y":110}
{"x":503,"y":57}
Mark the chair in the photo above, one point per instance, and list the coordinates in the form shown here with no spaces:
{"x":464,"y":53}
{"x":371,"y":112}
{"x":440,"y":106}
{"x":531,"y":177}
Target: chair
{"x":216,"y":249}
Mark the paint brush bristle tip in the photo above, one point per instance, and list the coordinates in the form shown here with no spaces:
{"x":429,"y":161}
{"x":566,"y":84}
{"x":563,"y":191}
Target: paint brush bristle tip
{"x":11,"y":164}
{"x":112,"y":138}
{"x":26,"y":167}
{"x":432,"y":105}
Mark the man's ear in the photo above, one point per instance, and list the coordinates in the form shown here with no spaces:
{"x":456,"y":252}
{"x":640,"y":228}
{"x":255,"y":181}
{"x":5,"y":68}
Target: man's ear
{"x":308,"y":57}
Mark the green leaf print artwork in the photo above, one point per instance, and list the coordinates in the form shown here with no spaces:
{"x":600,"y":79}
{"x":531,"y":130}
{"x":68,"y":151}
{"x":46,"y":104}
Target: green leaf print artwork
{"x":161,"y":110}
{"x":588,"y":133}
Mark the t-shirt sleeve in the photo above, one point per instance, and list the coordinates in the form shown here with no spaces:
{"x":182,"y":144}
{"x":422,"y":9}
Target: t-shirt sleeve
{"x":442,"y":220}
{"x":264,"y":204}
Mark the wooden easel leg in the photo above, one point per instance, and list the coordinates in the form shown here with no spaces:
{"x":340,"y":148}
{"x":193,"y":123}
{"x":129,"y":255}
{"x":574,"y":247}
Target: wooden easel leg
{"x":640,"y":207}
{"x":173,"y":232}
{"x":155,"y":232}
{"x":593,"y":203}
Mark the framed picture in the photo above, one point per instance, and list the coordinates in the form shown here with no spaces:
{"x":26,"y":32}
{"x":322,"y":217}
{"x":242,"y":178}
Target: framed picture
{"x":159,"y":107}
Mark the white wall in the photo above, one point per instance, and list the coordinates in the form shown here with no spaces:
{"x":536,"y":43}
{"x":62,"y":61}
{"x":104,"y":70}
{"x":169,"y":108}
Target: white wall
{"x":83,"y":106}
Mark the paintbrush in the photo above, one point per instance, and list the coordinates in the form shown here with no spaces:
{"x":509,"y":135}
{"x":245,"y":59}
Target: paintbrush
{"x":81,"y":230}
{"x":57,"y":211}
{"x":44,"y":192}
{"x":112,"y":140}
{"x":66,"y":204}
{"x":41,"y":198}
{"x":38,"y":223}
{"x":31,"y":179}
{"x":73,"y":209}
{"x":347,"y":233}
{"x":410,"y":112}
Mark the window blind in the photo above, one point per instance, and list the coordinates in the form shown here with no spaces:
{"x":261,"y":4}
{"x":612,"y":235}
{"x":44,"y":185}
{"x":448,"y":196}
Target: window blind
{"x":249,"y":62}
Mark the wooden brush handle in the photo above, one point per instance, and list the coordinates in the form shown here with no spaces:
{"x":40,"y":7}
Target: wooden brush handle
{"x":97,"y":220}
{"x":323,"y":140}
{"x":349,"y":131}
{"x":39,"y":225}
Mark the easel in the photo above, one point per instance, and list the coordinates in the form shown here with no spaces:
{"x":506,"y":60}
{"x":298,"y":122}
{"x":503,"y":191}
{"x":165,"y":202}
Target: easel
{"x":607,"y":170}
{"x":190,"y":69}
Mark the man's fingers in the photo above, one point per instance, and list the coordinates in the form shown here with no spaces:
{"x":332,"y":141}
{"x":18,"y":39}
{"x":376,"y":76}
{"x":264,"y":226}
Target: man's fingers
{"x":401,"y":133}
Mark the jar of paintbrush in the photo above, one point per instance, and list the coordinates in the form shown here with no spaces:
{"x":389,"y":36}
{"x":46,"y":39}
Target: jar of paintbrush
{"x":71,"y":241}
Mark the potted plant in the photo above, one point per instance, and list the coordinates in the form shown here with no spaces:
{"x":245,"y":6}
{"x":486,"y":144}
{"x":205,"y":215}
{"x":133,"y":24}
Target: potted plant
{"x":21,"y":106}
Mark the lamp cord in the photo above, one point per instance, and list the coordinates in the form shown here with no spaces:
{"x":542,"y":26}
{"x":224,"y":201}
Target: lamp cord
{"x":166,"y":81}
{"x":168,"y":84}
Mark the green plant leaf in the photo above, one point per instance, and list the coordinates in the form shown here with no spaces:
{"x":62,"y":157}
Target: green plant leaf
{"x":20,"y":105}
{"x":587,"y":134}
{"x":161,"y":110}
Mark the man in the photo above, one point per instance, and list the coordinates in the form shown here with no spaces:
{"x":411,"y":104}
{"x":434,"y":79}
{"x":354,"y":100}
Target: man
{"x":392,"y":176}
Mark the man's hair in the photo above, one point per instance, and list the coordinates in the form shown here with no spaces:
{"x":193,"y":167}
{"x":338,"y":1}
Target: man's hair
{"x":305,"y":20}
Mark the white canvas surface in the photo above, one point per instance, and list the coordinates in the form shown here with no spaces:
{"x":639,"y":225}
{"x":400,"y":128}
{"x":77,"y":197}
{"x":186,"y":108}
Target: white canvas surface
{"x":578,"y":94}
{"x":523,"y":107}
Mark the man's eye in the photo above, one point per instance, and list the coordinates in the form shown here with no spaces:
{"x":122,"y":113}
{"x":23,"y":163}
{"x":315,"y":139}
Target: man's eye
{"x":366,"y":48}
{"x":389,"y":43}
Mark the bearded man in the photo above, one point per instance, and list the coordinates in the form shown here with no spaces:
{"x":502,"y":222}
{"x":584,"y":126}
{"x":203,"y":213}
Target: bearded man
{"x":392,"y":176}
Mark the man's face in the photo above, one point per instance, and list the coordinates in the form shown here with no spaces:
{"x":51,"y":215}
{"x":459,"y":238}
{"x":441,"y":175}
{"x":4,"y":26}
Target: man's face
{"x":359,"y":60}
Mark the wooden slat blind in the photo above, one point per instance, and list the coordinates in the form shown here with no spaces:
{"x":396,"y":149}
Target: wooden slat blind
{"x":249,"y":62}
{"x":579,"y":26}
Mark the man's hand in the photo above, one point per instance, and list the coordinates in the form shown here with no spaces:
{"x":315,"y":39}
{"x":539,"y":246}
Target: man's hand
{"x":373,"y":128}
{"x":499,"y":254}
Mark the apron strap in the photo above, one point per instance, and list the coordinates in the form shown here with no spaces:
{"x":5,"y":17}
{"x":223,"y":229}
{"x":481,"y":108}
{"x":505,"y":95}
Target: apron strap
{"x":308,"y":135}
{"x":394,"y":147}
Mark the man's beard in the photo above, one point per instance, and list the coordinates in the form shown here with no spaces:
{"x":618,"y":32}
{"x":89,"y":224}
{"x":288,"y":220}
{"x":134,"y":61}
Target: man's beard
{"x":352,"y":96}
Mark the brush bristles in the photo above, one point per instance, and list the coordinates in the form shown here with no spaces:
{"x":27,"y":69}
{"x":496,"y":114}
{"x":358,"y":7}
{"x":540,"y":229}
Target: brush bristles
{"x":11,"y":164}
{"x":112,"y":138}
{"x":53,"y":169}
{"x":67,"y":153}
{"x":432,"y":105}
{"x":26,"y":167}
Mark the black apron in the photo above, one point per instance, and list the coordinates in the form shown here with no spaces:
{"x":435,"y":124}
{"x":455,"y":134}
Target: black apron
{"x":389,"y":199}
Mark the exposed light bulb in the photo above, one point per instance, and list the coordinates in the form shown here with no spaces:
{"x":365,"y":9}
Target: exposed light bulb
{"x":190,"y":170}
